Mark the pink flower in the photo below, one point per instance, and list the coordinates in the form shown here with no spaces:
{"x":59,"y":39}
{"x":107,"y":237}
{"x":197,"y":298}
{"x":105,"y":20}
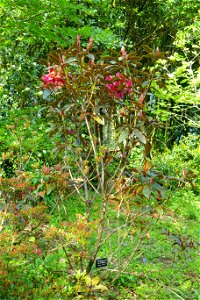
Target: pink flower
{"x":53,"y":80}
{"x":109,"y":77}
{"x":70,"y":131}
{"x":121,"y":87}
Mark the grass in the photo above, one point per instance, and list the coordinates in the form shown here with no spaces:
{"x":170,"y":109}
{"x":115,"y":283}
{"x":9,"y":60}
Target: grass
{"x":168,"y":264}
{"x":169,"y":267}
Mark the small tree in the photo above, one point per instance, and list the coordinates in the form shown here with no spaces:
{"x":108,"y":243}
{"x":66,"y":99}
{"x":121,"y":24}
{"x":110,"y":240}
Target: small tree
{"x":97,"y":107}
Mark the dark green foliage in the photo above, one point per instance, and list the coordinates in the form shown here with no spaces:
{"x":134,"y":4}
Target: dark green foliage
{"x":153,"y":22}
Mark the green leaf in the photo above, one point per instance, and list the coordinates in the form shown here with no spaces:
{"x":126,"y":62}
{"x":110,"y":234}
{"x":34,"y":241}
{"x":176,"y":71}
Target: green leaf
{"x":82,"y":289}
{"x":100,"y":287}
{"x":46,"y":94}
{"x":88,"y":280}
{"x":147,"y":191}
{"x":99,"y":120}
{"x":159,"y":210}
{"x":71,"y":59}
{"x":49,"y":189}
{"x":91,"y":56}
{"x":140,"y":136}
{"x":32,"y":239}
{"x":123,"y":135}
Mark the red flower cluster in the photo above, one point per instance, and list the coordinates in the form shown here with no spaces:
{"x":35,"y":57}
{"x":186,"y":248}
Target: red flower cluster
{"x":53,"y":80}
{"x":121,"y":87}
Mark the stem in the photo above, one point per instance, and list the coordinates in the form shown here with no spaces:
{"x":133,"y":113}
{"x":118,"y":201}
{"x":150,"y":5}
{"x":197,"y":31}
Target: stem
{"x":123,"y":268}
{"x":100,"y":235}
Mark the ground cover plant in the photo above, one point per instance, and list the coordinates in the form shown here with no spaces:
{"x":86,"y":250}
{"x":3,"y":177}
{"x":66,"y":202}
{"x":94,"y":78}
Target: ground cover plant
{"x":86,"y":188}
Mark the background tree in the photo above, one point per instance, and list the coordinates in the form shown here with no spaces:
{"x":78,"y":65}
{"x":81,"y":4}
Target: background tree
{"x":153,"y":22}
{"x":29,"y":30}
{"x":178,"y":103}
